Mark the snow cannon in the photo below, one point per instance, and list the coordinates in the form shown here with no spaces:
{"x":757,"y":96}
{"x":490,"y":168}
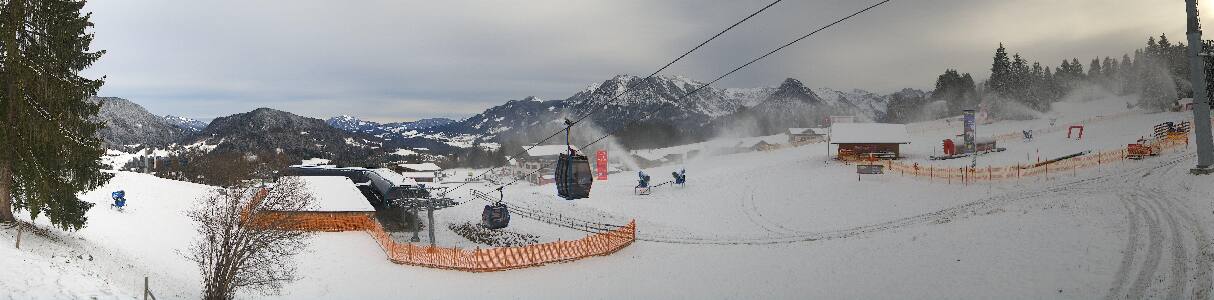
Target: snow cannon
{"x":642,"y":187}
{"x":119,"y":199}
{"x":680,"y":177}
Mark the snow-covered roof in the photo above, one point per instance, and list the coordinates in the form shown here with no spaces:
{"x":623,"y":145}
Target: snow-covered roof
{"x":1184,"y":101}
{"x":336,"y":193}
{"x":548,"y":150}
{"x":864,"y":133}
{"x":417,"y":174}
{"x":422,"y":167}
{"x":818,"y":131}
{"x":315,"y":161}
{"x":396,"y":178}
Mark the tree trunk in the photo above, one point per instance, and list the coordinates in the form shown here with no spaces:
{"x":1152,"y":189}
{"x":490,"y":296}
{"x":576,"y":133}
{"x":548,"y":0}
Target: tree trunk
{"x":6,"y":159}
{"x":6,"y":193}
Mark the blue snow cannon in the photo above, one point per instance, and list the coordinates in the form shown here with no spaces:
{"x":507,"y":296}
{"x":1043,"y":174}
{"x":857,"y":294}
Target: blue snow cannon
{"x":119,"y":199}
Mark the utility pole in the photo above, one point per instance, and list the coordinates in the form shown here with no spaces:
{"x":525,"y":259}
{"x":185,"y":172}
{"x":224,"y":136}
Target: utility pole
{"x":430,"y":216}
{"x":1201,"y":100}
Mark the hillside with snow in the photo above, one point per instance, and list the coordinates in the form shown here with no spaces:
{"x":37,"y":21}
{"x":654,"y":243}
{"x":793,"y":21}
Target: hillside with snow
{"x":786,"y":223}
{"x":657,"y":102}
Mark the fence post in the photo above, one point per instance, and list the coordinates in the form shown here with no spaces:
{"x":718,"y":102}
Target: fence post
{"x":19,"y":230}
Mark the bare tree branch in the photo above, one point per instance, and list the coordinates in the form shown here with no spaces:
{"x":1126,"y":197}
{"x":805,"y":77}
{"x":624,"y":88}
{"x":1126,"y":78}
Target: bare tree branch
{"x":245,"y":242}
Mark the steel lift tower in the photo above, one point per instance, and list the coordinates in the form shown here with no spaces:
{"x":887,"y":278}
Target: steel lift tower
{"x":1201,"y":99}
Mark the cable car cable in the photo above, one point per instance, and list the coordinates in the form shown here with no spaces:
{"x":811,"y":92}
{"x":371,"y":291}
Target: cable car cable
{"x":692,"y":92}
{"x":629,"y":88}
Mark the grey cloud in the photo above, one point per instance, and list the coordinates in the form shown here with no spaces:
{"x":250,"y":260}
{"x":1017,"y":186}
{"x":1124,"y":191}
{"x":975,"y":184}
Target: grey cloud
{"x":403,"y":60}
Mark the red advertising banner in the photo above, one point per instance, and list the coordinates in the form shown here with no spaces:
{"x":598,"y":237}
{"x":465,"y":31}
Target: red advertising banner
{"x":600,"y":161}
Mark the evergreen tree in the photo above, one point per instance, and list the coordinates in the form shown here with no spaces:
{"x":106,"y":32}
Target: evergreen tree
{"x":1001,"y":72}
{"x":1051,"y":86}
{"x":1076,"y":69}
{"x":50,"y":150}
{"x":1109,"y":67}
{"x":1019,"y":80}
{"x":957,"y":91}
{"x":1123,"y":75}
{"x":1094,"y":71}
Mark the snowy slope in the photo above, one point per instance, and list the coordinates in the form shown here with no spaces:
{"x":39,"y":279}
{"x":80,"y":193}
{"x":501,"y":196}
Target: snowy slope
{"x":788,"y":223}
{"x":187,"y":124}
{"x":147,"y":239}
{"x":44,"y":275}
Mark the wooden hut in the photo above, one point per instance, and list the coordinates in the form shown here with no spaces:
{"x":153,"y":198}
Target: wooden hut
{"x":860,"y":140}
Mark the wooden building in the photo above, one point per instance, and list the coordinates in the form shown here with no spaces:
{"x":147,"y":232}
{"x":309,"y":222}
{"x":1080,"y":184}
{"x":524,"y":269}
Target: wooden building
{"x":802,"y":136}
{"x":423,"y":172}
{"x":539,"y":157}
{"x":860,"y":140}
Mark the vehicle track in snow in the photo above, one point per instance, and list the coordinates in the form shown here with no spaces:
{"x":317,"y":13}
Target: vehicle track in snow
{"x":1170,"y":227}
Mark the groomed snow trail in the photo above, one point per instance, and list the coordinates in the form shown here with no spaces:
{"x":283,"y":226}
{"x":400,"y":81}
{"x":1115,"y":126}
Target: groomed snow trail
{"x":1092,"y":182}
{"x":1167,"y":251}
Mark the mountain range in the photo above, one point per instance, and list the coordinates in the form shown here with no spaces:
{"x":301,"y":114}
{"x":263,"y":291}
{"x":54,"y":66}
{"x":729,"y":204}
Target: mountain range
{"x":641,"y":111}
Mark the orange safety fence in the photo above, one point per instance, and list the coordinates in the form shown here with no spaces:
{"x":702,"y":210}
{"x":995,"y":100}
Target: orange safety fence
{"x":935,"y":125}
{"x":962,"y":175}
{"x":471,"y":260}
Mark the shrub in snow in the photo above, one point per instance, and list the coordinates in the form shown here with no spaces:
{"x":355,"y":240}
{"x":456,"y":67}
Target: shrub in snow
{"x":243,"y":244}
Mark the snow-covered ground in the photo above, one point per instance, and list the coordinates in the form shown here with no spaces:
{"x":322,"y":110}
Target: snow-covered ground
{"x":788,"y":223}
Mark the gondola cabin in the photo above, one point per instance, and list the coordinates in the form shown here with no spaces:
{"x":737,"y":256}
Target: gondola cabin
{"x":539,"y":157}
{"x":573,"y":177}
{"x":861,"y":140}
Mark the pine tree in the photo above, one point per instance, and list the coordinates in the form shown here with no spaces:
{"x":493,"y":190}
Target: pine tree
{"x":1001,"y":72}
{"x":50,"y":150}
{"x":1019,"y":80}
{"x":957,"y":91}
{"x":1051,"y":86}
{"x":1076,"y":69}
{"x":1094,"y":71}
{"x":1109,"y":67}
{"x":1123,"y":74}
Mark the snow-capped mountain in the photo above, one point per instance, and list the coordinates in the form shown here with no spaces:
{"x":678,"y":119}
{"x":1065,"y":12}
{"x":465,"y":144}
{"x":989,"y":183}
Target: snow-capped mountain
{"x":353,"y":124}
{"x":860,"y":103}
{"x":297,"y":137}
{"x":660,"y":97}
{"x":793,"y":104}
{"x":188,"y":124}
{"x":658,"y":101}
{"x":514,"y":117}
{"x":127,"y":123}
{"x":421,"y":124}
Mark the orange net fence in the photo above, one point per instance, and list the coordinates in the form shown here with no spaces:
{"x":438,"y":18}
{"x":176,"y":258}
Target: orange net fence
{"x":962,"y":175}
{"x":938,"y":125}
{"x":471,"y":260}
{"x":318,"y":221}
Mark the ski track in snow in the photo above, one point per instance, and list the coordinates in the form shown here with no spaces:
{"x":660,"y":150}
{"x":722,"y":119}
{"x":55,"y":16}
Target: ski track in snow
{"x":1169,"y":224}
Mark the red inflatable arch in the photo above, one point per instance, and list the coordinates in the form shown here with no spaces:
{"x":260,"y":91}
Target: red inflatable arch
{"x":1073,"y":127}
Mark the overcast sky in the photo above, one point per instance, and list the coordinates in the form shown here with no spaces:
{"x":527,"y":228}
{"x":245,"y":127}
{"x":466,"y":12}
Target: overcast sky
{"x":404,"y":60}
